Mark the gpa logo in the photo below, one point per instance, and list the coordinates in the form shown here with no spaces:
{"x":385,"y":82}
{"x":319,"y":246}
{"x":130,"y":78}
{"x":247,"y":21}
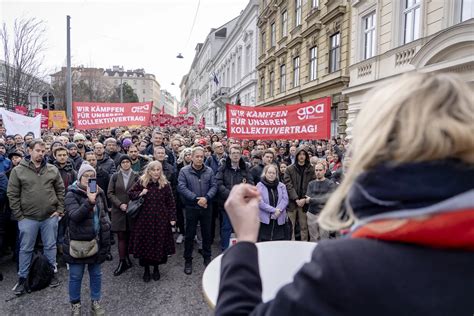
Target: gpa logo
{"x":309,"y":111}
{"x":141,"y":108}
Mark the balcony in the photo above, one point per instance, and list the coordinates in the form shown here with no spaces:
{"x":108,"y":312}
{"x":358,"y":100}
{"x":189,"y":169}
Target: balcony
{"x":221,"y":97}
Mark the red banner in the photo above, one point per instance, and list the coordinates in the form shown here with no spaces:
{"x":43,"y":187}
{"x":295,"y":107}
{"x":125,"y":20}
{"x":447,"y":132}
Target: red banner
{"x":309,"y":120}
{"x":163,"y":120}
{"x":44,"y":117}
{"x":91,"y":115}
{"x":23,"y":110}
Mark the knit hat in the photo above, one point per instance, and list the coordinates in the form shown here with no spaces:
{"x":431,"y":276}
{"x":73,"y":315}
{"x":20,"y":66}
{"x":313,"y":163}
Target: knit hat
{"x":84,"y":168}
{"x":79,"y":136}
{"x":126,"y":142}
{"x":124,"y":157}
{"x":126,"y":134}
{"x":71,"y":145}
{"x":15,"y":153}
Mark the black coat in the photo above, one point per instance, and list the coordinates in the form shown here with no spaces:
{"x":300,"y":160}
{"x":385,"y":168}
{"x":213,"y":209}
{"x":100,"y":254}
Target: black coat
{"x":227,"y":177}
{"x":354,"y":277}
{"x":79,"y":218}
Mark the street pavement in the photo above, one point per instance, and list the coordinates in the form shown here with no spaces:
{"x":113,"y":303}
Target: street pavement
{"x":174,"y":294}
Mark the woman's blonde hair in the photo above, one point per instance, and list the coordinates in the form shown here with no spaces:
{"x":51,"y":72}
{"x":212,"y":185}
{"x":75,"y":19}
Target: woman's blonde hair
{"x":184,"y":152}
{"x":146,"y":177}
{"x":418,"y":117}
{"x":265,"y":170}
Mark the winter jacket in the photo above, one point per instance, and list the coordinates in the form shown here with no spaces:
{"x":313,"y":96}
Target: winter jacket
{"x":319,"y":192}
{"x":227,"y":177}
{"x":214,"y":163}
{"x":35,"y":194}
{"x":80,"y":223}
{"x":118,"y":195}
{"x":107,"y":164}
{"x":170,"y":157}
{"x":297,"y":183}
{"x":67,"y":172}
{"x":170,"y":175}
{"x":77,"y":161}
{"x":194,"y":183}
{"x":5,"y":164}
{"x":256,"y":173}
{"x":115,"y":156}
{"x":266,"y":210}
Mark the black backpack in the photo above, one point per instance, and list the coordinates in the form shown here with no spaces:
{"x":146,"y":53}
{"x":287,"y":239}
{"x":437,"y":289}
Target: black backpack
{"x":40,"y":274}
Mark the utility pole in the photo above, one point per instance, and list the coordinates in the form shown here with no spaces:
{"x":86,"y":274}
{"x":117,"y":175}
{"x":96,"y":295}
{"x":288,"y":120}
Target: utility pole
{"x":68,"y":72}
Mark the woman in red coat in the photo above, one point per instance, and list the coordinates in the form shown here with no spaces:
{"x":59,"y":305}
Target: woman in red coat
{"x":152,"y":239}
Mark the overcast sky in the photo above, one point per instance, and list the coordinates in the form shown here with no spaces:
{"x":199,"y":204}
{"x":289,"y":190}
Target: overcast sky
{"x":134,"y":34}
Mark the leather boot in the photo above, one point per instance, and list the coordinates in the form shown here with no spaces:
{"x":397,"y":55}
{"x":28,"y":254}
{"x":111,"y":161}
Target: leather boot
{"x":122,"y":267}
{"x":129,"y":262}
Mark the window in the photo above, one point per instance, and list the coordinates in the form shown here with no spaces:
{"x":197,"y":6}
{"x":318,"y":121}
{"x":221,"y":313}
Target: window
{"x":296,"y":71}
{"x":334,"y":121}
{"x":369,"y":35}
{"x":335,"y":52}
{"x":272,"y":80}
{"x":313,"y":62}
{"x":467,"y":9}
{"x":314,"y":4}
{"x":273,"y":35}
{"x":228,"y":77}
{"x":144,"y":91}
{"x":264,"y":46}
{"x":239,"y":68}
{"x":248,"y":59}
{"x":297,"y":12}
{"x":282,"y":78}
{"x":262,"y":88}
{"x":233,"y":74}
{"x":411,"y":16}
{"x":284,"y":24}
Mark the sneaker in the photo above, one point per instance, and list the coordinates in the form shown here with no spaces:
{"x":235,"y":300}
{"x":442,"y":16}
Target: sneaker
{"x":188,"y":267}
{"x":19,"y":288}
{"x":54,"y":281}
{"x":96,"y":309}
{"x":76,"y":309}
{"x":180,"y":238}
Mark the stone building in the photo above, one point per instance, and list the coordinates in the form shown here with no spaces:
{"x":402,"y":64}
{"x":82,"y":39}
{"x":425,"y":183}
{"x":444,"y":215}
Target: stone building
{"x":304,"y":54}
{"x":392,"y":37}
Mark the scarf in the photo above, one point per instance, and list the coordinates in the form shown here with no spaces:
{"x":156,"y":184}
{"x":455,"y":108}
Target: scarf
{"x":272,"y":187}
{"x":126,"y":176}
{"x":427,"y":203}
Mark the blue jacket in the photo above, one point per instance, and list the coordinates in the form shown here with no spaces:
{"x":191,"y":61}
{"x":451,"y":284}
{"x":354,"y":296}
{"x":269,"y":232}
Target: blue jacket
{"x":5,"y":164}
{"x":193,"y":184}
{"x":214,"y":163}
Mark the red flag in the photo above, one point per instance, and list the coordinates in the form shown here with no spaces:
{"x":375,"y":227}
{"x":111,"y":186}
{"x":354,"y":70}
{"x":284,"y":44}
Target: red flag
{"x":183,"y":111}
{"x":162,"y":110}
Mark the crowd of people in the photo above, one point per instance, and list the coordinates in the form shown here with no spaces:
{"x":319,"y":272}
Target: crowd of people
{"x":180,"y":179}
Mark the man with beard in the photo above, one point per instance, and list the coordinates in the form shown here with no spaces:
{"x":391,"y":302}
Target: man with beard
{"x":296,"y":178}
{"x":36,"y":195}
{"x":74,"y":156}
{"x":103,"y":160}
{"x":28,"y":138}
{"x":138,"y":162}
{"x":80,"y":140}
{"x":112,"y":149}
{"x":19,"y":141}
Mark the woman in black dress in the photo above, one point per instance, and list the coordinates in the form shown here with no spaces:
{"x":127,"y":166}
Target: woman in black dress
{"x":152,"y":239}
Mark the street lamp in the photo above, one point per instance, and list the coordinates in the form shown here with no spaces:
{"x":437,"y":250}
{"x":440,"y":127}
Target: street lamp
{"x":180,"y":56}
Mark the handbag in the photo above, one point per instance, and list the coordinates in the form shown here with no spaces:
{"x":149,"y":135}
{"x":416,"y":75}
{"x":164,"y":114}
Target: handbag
{"x":83,"y":249}
{"x":134,"y":207}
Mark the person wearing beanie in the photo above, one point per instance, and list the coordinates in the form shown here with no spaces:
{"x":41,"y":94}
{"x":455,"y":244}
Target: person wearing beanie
{"x":88,"y":220}
{"x":80,"y":141}
{"x":112,"y":149}
{"x":74,"y":155}
{"x":117,"y":193}
{"x":126,"y":143}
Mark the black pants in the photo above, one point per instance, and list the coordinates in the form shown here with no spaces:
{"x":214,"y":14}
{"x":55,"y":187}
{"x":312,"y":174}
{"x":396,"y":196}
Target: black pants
{"x":193,"y":217}
{"x":215,"y":216}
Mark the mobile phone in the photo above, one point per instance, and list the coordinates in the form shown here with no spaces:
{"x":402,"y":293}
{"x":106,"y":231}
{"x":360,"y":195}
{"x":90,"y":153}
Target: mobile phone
{"x":92,"y":185}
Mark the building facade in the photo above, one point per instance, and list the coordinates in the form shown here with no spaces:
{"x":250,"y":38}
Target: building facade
{"x":234,"y":78}
{"x":144,"y":85}
{"x":393,"y":37}
{"x":168,"y":102}
{"x":303,"y":54}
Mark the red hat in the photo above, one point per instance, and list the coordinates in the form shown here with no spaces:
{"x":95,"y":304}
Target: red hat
{"x":202,"y":142}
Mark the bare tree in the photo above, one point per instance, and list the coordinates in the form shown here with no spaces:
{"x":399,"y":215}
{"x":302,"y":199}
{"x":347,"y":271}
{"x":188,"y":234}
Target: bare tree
{"x":23,"y":56}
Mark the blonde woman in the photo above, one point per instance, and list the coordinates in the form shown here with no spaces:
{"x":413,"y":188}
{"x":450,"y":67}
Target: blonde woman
{"x":152,"y":239}
{"x":409,"y":193}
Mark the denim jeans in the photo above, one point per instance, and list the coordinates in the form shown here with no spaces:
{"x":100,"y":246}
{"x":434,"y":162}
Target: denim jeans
{"x":193,"y":217}
{"x":28,"y":229}
{"x":76,"y":271}
{"x":226,"y":230}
